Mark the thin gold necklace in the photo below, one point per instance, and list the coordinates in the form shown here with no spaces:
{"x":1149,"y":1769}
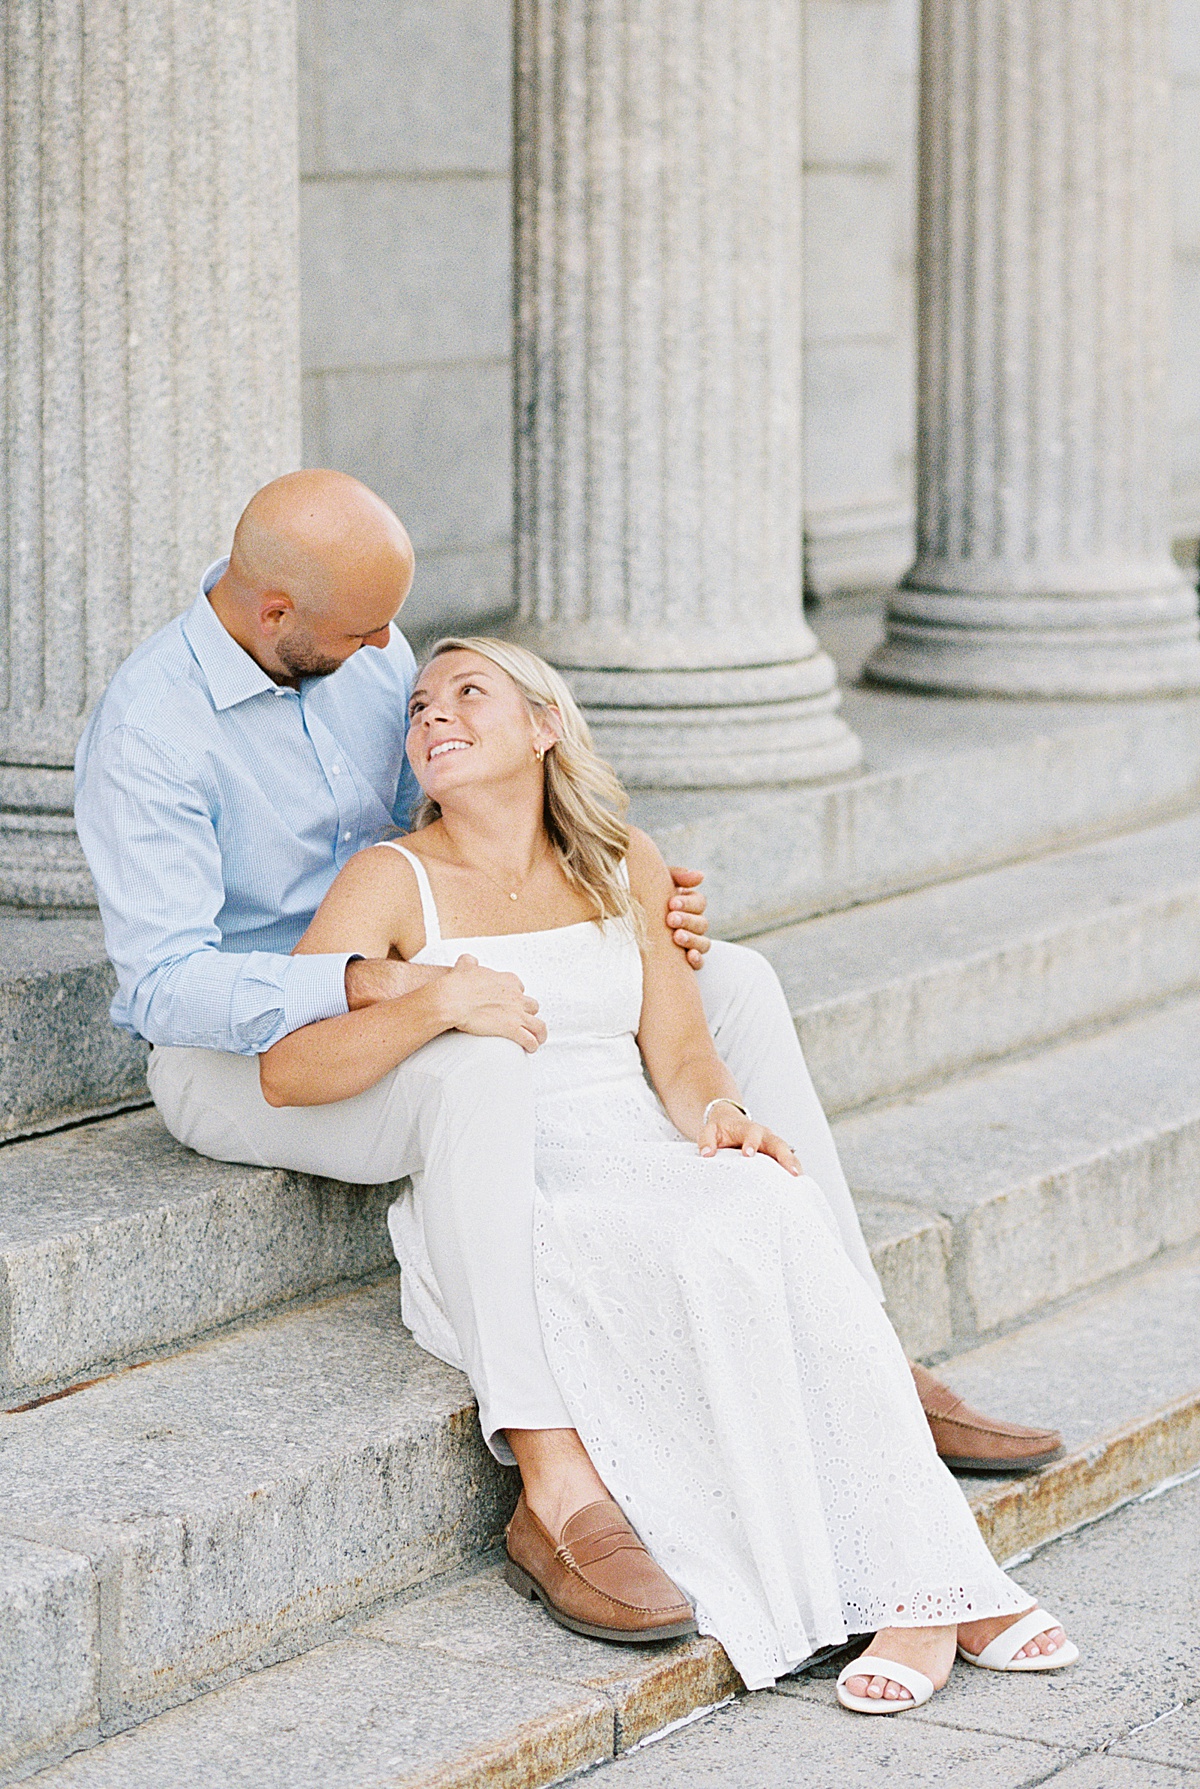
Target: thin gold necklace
{"x":512,"y":893}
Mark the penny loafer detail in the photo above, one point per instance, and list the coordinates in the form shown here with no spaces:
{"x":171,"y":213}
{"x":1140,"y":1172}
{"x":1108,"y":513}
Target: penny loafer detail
{"x":598,"y":1580}
{"x":968,"y":1441}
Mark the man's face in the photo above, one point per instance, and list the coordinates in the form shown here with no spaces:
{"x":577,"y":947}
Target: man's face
{"x":317,"y":643}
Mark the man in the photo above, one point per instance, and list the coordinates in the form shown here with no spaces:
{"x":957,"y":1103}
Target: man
{"x":236,"y":761}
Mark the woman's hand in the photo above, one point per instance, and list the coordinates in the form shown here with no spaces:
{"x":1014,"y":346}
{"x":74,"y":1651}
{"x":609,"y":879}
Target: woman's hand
{"x":488,"y":1003}
{"x":727,"y":1128}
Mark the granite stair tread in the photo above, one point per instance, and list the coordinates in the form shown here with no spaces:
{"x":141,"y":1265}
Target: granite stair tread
{"x":235,"y":1498}
{"x":116,"y":1240}
{"x":1051,"y":1172}
{"x":902,"y":992}
{"x":983,"y":1200}
{"x":61,"y":1059}
{"x":948,"y":787}
{"x":465,"y":1684}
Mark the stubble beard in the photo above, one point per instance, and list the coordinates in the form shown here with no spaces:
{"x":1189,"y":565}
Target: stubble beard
{"x":300,"y":658}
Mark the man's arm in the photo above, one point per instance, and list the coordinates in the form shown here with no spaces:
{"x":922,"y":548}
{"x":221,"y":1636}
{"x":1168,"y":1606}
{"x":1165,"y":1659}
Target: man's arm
{"x":145,"y":821}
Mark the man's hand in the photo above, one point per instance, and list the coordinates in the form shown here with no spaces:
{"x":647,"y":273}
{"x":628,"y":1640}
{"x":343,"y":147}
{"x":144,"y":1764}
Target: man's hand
{"x":371,"y":979}
{"x":686,"y":915}
{"x":488,"y":1003}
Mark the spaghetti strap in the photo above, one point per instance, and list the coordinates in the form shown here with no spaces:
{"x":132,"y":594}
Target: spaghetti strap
{"x":429,"y":912}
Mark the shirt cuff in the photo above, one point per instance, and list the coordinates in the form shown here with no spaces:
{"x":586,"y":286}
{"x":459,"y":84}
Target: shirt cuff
{"x":314,"y":988}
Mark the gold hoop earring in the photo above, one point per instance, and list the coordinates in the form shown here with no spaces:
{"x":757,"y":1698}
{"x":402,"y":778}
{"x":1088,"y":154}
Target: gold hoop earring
{"x":539,"y":752}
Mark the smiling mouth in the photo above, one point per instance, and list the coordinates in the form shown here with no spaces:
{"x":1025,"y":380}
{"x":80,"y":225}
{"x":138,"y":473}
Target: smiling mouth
{"x":449,"y":745}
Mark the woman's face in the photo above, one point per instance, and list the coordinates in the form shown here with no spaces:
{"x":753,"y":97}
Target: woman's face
{"x":469,"y":724}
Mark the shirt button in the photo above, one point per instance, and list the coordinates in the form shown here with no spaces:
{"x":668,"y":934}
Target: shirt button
{"x":337,"y":770}
{"x":346,"y":837}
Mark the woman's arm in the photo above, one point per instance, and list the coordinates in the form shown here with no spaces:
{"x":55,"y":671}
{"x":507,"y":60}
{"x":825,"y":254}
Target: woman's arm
{"x":673,"y":1035}
{"x":374,"y":907}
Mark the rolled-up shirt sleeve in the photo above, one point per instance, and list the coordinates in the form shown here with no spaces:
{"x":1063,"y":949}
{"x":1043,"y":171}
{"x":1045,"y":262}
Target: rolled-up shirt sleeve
{"x":145,"y":819}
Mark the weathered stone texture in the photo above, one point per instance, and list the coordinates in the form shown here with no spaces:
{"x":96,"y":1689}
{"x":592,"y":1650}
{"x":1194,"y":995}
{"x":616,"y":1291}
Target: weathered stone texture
{"x":117,"y":1240}
{"x":658,"y":439}
{"x":149,"y":361}
{"x":860,"y":61}
{"x":1043,"y":527}
{"x":150,"y":329}
{"x":49,"y":1649}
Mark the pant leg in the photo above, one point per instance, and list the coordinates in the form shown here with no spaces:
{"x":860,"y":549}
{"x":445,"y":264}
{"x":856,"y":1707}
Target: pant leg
{"x":458,"y":1117}
{"x":748,"y":1015}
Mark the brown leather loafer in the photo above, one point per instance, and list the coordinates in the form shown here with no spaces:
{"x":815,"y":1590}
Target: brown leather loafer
{"x":967,"y":1441}
{"x":599,"y":1579}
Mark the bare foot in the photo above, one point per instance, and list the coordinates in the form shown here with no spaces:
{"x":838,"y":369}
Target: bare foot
{"x":975,"y":1635}
{"x":929,"y":1650}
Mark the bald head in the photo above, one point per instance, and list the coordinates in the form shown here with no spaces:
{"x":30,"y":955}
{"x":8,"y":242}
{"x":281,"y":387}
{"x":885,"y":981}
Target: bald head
{"x":319,"y":567}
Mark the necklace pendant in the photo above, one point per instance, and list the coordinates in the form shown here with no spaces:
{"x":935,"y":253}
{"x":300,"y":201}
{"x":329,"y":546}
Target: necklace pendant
{"x":512,"y":897}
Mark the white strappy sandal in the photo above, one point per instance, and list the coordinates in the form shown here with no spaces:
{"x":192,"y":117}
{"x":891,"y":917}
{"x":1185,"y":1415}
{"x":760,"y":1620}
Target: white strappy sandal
{"x":1001,"y":1653}
{"x":919,"y":1687}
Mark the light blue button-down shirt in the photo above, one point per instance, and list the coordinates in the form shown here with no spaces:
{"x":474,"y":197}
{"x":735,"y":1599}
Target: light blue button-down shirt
{"x":215,"y":809}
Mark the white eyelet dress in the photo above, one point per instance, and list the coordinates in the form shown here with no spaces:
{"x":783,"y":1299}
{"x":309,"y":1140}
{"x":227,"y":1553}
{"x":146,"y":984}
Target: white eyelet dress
{"x":736,"y":1383}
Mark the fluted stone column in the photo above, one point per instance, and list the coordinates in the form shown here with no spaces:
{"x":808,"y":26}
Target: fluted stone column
{"x":658,"y":439}
{"x":150,"y":359}
{"x":1043,"y":526}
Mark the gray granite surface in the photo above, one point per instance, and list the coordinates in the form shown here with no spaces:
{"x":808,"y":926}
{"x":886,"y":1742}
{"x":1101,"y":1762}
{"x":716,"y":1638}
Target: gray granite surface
{"x":1055,"y":1170}
{"x":61,"y":1058}
{"x":1098,"y":1363}
{"x":352,"y":1715}
{"x":49,"y":1651}
{"x":244,"y":1493}
{"x":115,"y":1239}
{"x":897,"y":993}
{"x":1127,"y":1589}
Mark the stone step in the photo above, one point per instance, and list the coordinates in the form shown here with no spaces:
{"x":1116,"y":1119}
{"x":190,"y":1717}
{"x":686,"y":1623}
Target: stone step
{"x":467,"y":1686}
{"x":982,"y":1201}
{"x":60,"y":1057}
{"x":116,"y":1241}
{"x":200,"y":1513}
{"x":888,"y":996}
{"x":907,"y":991}
{"x":1043,"y":1175}
{"x":949,"y":787}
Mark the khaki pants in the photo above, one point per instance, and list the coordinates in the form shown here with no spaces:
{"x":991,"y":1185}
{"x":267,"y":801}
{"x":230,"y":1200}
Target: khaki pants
{"x":460,"y":1113}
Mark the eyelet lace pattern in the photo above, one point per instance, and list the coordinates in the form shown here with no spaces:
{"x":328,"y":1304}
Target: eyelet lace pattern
{"x":738,"y":1387}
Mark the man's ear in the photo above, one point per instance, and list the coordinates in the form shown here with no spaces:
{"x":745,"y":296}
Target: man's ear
{"x":274,"y":607}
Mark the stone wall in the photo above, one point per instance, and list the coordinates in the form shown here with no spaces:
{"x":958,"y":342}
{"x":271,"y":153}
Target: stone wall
{"x":1185,"y":369}
{"x":405,"y":155}
{"x":859,"y":291}
{"x":406,"y":244}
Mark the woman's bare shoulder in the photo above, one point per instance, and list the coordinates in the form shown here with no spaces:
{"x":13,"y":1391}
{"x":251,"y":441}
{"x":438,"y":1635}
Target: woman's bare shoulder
{"x":650,"y":881}
{"x":373,"y":906}
{"x":645,"y":860}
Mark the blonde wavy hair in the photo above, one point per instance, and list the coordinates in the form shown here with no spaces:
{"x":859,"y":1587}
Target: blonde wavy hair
{"x":585,"y":804}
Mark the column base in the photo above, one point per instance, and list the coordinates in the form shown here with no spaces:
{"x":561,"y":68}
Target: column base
{"x":41,"y":860}
{"x":725,"y":728}
{"x":1111,"y":645}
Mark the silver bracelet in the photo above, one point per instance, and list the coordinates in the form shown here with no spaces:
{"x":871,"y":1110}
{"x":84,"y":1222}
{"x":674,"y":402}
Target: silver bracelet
{"x":722,"y":1100}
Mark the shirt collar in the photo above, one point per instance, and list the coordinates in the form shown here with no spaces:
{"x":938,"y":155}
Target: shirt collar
{"x":231,"y":674}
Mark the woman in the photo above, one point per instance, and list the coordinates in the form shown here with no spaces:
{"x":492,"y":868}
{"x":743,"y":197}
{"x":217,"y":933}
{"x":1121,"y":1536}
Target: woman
{"x":710,"y":1372}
